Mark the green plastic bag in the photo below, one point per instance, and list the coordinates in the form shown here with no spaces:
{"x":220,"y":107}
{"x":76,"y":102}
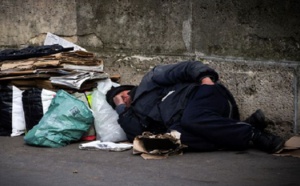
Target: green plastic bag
{"x":66,"y":120}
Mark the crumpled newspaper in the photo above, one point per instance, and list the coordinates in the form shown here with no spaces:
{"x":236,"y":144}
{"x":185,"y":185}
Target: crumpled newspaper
{"x":77,"y":79}
{"x":110,"y":146}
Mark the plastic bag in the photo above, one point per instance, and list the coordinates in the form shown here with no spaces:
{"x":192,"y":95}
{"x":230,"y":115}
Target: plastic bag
{"x":12,"y":120}
{"x":36,"y":102}
{"x":90,"y":135}
{"x":18,"y":118}
{"x":106,"y":118}
{"x":66,"y":120}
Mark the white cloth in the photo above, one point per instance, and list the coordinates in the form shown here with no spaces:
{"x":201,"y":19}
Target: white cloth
{"x":98,"y":145}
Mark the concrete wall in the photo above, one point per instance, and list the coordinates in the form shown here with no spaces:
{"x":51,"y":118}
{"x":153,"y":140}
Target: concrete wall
{"x":254,"y":45}
{"x":255,"y":29}
{"x":25,"y":23}
{"x":266,"y":29}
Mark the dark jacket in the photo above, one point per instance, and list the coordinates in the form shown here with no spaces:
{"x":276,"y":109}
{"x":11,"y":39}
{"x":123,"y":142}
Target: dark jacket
{"x":162,"y":95}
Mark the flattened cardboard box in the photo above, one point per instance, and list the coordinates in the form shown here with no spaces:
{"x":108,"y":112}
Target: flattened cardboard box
{"x":160,"y":146}
{"x":291,"y":148}
{"x":28,"y":64}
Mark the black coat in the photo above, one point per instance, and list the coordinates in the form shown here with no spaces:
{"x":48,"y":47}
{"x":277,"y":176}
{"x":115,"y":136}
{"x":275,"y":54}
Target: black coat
{"x":162,"y":95}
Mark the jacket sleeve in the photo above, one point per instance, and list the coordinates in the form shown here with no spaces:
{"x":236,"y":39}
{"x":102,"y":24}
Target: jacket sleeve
{"x":130,"y":124}
{"x":183,"y":72}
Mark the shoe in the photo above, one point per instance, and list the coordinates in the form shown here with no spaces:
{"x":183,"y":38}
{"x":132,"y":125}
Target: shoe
{"x":257,"y":120}
{"x":267,"y":142}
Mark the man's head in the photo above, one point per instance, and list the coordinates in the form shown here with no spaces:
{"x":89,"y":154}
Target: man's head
{"x":122,"y":91}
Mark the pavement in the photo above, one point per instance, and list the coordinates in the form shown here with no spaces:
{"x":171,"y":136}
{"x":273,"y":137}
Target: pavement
{"x":24,"y":165}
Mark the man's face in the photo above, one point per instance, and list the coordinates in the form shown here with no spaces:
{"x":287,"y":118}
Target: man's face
{"x":126,"y":98}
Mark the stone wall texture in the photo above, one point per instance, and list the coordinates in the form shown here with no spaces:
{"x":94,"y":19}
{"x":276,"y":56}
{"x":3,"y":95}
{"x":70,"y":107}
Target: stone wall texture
{"x":254,"y":45}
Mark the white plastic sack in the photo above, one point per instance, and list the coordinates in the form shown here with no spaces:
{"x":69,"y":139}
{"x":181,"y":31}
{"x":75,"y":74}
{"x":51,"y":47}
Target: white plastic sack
{"x":18,"y":119}
{"x":47,"y":96}
{"x":106,"y":118}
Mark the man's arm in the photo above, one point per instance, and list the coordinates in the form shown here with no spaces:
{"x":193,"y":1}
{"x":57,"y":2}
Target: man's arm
{"x":130,"y":124}
{"x":127,"y":119}
{"x":183,"y":72}
{"x":120,"y":104}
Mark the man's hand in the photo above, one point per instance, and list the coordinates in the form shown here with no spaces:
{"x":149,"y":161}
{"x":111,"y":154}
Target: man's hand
{"x":123,"y":98}
{"x":207,"y":81}
{"x":118,"y":100}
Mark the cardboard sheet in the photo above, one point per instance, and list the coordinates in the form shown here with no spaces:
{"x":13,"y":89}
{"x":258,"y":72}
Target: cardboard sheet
{"x":291,"y":148}
{"x":160,"y":146}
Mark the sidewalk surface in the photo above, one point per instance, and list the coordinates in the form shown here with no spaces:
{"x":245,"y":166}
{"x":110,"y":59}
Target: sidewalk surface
{"x":24,"y":165}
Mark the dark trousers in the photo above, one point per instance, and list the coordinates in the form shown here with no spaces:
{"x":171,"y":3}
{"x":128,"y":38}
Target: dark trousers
{"x":205,"y":123}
